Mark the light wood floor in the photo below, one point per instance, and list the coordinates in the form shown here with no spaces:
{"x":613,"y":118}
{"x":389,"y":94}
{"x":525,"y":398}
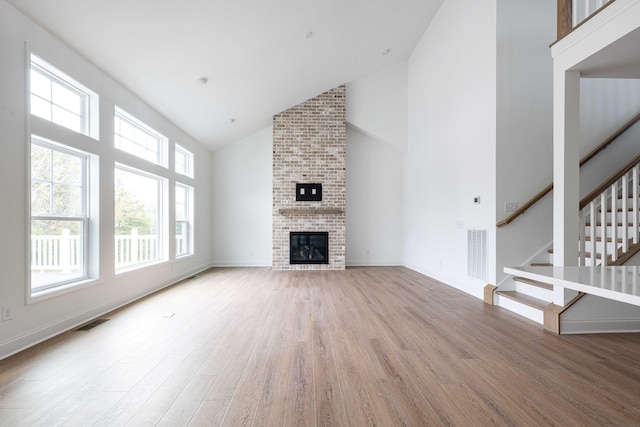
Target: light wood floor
{"x":366,"y":346}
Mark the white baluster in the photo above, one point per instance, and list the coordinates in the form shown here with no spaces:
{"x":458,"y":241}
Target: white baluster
{"x":614,"y":222}
{"x":603,"y":229}
{"x":586,"y":11}
{"x":582,"y":236}
{"x":636,"y":173}
{"x":592,"y":230}
{"x":625,"y":213}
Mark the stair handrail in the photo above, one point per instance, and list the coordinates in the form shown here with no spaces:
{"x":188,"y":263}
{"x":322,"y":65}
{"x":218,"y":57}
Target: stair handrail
{"x":609,"y":182}
{"x":546,"y":190}
{"x":613,"y":196}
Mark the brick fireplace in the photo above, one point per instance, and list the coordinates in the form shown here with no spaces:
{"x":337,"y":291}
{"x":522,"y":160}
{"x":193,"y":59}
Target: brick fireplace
{"x":309,"y":147}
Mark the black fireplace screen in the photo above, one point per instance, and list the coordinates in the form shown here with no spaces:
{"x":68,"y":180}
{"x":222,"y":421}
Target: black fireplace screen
{"x":309,"y":247}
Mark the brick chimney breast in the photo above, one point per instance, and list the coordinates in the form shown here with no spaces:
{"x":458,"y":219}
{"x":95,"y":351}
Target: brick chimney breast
{"x":309,"y":146}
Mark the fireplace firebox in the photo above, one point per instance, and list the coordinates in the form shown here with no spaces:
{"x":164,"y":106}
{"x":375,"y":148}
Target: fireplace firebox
{"x":310,"y":247}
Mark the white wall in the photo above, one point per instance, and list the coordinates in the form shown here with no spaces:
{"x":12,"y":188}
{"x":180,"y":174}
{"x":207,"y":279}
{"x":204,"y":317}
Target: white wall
{"x":242,"y":201}
{"x":606,"y":105}
{"x":377,"y":109}
{"x":524,"y":126}
{"x":374,"y":201}
{"x":377,"y":105}
{"x":376,"y":139}
{"x":38,"y":320}
{"x":592,"y":314}
{"x":451,"y":154}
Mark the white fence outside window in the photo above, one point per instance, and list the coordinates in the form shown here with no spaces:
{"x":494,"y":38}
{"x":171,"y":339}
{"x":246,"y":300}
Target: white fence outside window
{"x":62,"y":253}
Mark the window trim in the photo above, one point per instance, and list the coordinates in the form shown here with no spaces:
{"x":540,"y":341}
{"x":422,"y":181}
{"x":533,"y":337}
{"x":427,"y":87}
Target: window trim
{"x":84,"y":219}
{"x":189,"y":161}
{"x":162,"y":229}
{"x":189,"y":191}
{"x":89,"y":118}
{"x":162,"y":141}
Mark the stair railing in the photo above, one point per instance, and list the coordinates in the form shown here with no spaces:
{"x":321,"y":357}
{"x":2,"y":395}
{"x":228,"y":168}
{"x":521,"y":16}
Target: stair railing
{"x":546,"y":190}
{"x":573,"y":13}
{"x":618,"y":196}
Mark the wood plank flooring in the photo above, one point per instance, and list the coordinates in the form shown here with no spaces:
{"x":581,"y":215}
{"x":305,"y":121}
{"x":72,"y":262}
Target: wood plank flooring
{"x":381,"y":346}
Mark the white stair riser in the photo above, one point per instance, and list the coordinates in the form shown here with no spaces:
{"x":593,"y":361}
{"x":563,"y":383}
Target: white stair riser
{"x":619,"y":230}
{"x":534,"y":291}
{"x":521,"y":309}
{"x":588,"y":247}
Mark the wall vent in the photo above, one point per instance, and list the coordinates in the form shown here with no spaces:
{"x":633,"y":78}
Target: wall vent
{"x":477,"y":254}
{"x":92,"y":325}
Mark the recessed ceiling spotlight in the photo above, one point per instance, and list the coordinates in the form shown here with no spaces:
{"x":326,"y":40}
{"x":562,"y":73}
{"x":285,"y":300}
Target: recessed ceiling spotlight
{"x":386,"y":52}
{"x":202,"y":80}
{"x":308,"y":34}
{"x":231,"y":121}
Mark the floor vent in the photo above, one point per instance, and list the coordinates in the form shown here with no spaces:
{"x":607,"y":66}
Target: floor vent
{"x":92,"y":325}
{"x":477,"y":251}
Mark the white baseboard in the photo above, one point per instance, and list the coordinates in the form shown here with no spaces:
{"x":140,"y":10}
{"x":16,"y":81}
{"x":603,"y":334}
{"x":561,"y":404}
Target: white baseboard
{"x":611,"y":326}
{"x":227,"y":264}
{"x":476,"y":292}
{"x":36,"y":336}
{"x":373,"y":263}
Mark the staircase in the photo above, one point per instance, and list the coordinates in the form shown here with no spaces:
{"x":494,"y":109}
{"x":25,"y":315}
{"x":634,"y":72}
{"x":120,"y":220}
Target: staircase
{"x":609,"y":235}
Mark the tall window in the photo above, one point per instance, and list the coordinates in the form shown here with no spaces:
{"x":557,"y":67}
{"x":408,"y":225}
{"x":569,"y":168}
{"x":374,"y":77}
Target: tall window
{"x":59,"y":215}
{"x":184,"y":221}
{"x":138,"y":202}
{"x":60,"y":99}
{"x":183,"y":161}
{"x":135,"y":137}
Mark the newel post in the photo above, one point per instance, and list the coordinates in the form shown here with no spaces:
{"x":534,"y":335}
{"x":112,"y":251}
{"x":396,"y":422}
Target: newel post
{"x":565,"y":24}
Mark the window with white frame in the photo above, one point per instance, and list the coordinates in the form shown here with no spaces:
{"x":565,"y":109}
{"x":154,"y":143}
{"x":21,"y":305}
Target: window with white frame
{"x":58,"y":98}
{"x":184,"y":220}
{"x":59,"y":215}
{"x":183,"y":161}
{"x":135,"y":137}
{"x":138,"y":218}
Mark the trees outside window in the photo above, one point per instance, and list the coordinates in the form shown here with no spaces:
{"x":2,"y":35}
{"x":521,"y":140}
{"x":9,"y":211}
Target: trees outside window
{"x":184,"y":221}
{"x":59,"y":215}
{"x":137,"y":220}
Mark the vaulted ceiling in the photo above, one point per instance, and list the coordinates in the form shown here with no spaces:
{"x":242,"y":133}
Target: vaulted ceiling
{"x":260,"y":56}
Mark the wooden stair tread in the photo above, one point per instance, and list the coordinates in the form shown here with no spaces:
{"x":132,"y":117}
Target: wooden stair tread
{"x":534,"y":283}
{"x":599,"y":224}
{"x":524,"y":299}
{"x":599,"y":239}
{"x":541,"y":264}
{"x":609,"y":210}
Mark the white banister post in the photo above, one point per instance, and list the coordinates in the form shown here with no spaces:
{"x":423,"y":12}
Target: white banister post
{"x":603,"y":231}
{"x":636,"y":183}
{"x":65,"y":251}
{"x":583,"y":236}
{"x":566,"y":174}
{"x":614,"y":221}
{"x":134,"y":246}
{"x":625,"y":213}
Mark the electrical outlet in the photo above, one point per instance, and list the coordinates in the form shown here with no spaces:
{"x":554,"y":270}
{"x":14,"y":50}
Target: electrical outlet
{"x":6,"y":314}
{"x":510,"y":206}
